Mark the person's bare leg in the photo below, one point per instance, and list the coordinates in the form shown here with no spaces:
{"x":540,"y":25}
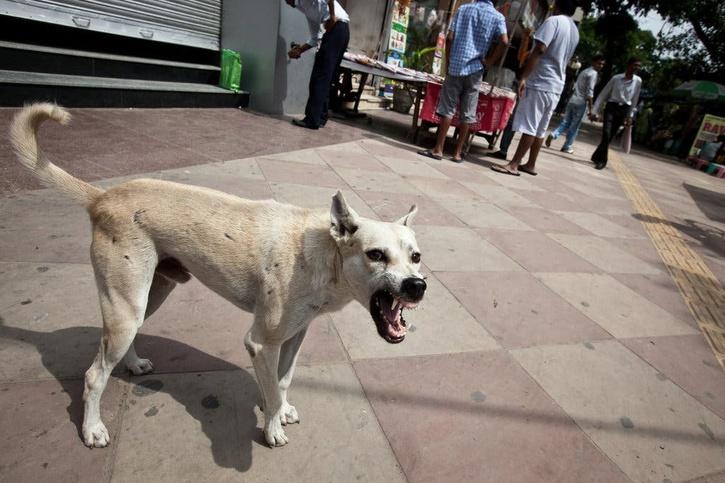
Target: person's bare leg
{"x":442,"y":134}
{"x":530,"y":166}
{"x":462,"y":135}
{"x":524,"y":144}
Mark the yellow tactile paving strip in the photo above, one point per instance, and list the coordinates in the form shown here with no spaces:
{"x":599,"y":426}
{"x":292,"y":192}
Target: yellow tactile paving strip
{"x":699,"y":286}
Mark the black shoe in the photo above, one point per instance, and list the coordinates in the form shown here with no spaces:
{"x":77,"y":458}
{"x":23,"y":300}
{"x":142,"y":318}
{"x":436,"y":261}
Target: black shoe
{"x":600,"y":165}
{"x":498,"y":155}
{"x":549,"y":138}
{"x":303,"y":123}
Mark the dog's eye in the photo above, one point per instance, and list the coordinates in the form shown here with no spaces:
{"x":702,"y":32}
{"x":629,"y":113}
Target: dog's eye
{"x":415,"y":257}
{"x":376,"y":255}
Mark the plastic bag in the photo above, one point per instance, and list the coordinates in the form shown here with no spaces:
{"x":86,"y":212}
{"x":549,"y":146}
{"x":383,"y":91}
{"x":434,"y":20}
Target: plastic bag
{"x":627,"y":139}
{"x":231,"y":70}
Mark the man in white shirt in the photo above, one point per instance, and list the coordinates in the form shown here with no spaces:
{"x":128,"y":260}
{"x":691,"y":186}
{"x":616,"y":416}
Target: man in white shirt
{"x":579,"y":103}
{"x":541,"y":83}
{"x":620,"y":98}
{"x":335,"y":37}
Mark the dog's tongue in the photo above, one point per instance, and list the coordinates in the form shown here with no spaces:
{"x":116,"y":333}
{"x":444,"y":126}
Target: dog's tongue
{"x":392,"y":316}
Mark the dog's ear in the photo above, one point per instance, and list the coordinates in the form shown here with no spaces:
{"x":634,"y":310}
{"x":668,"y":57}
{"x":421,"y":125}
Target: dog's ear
{"x":407,"y":220}
{"x":344,"y":220}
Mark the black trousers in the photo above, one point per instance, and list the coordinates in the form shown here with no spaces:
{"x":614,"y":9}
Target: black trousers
{"x":614,"y":116}
{"x":327,"y":61}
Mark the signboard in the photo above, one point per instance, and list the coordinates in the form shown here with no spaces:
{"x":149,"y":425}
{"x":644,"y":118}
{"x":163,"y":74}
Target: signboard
{"x":398,"y":34}
{"x":710,"y":129}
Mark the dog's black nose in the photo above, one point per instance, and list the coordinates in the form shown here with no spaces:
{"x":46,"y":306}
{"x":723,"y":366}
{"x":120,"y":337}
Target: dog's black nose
{"x":413,"y":288}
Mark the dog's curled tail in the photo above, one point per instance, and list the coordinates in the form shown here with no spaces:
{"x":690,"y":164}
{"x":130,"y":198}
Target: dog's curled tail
{"x":24,"y":138}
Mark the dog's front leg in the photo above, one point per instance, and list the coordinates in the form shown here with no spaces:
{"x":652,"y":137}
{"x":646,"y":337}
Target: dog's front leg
{"x":287,"y":361}
{"x":265,"y":358}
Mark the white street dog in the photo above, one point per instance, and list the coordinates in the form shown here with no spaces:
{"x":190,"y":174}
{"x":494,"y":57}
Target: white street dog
{"x":283,"y":263}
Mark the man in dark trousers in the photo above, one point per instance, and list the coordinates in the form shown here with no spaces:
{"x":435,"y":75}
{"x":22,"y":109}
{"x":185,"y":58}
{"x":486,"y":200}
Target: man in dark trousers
{"x":328,"y":22}
{"x":619,"y":97}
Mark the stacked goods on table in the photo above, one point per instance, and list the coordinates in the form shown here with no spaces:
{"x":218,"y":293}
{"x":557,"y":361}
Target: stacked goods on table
{"x":365,"y":60}
{"x":485,"y":87}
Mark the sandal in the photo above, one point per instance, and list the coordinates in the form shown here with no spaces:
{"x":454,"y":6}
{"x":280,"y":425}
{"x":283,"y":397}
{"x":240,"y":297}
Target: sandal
{"x":504,"y":170}
{"x":430,"y":154}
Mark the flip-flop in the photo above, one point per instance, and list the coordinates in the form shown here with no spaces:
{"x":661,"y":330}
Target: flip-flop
{"x":503,"y":170}
{"x":429,"y":154}
{"x":524,"y":170}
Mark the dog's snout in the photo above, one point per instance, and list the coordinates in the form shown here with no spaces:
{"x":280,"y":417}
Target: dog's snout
{"x":413,"y":287}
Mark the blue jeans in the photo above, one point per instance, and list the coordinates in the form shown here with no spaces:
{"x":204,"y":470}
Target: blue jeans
{"x":570,"y":124}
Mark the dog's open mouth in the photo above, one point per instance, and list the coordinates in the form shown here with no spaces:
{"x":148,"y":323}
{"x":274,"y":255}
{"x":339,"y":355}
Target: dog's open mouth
{"x":387,"y":312}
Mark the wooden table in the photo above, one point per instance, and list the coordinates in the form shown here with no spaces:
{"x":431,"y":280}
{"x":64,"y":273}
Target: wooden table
{"x":414,"y":83}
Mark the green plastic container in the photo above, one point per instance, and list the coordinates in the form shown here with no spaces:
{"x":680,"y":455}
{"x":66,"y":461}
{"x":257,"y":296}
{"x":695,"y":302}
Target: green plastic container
{"x":231,"y":73}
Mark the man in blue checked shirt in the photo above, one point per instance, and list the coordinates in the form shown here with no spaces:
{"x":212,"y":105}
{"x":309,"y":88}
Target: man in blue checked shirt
{"x":475,"y":27}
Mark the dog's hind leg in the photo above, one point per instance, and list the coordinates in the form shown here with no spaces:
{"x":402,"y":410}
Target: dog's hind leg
{"x":160,"y":289}
{"x":123,"y":277}
{"x":287,"y":362}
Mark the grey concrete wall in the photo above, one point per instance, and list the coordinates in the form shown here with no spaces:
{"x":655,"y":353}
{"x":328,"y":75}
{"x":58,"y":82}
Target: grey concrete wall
{"x":366,"y":18}
{"x":262,"y":30}
{"x":293,"y":76}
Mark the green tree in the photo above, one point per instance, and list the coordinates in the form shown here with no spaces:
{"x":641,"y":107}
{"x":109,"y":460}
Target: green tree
{"x":706,"y":17}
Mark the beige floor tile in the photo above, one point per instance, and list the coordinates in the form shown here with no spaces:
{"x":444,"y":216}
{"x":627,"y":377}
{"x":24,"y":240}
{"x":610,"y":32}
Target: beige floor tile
{"x":386,"y":182}
{"x":300,"y":173}
{"x":616,"y":308}
{"x":391,"y":206}
{"x":352,"y":160}
{"x":603,"y":254}
{"x":500,"y":196}
{"x":319,"y":198}
{"x":39,"y":432}
{"x":477,"y":417}
{"x":207,"y":427}
{"x":598,"y":225}
{"x":406,"y":167}
{"x":647,"y":425}
{"x":480,"y":214}
{"x":305,"y":156}
{"x":520,"y":311}
{"x":460,"y":250}
{"x":440,"y":189}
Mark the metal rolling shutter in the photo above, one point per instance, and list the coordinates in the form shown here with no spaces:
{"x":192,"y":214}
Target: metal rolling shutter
{"x":195,"y":23}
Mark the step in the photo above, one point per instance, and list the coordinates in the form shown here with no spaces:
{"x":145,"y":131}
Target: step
{"x":369,"y":103}
{"x":26,"y":57}
{"x":19,"y":87}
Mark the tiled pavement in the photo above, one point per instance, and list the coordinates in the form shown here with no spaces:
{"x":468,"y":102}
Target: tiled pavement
{"x":552,"y":344}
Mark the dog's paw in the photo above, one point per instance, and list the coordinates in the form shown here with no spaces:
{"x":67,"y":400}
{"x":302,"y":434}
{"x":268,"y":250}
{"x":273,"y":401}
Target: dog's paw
{"x":288,"y":414}
{"x":96,"y":435}
{"x":273,"y":432}
{"x":140,"y":367}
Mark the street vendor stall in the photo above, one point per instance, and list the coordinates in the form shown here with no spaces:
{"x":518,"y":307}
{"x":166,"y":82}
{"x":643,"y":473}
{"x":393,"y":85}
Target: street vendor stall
{"x":415,"y":81}
{"x":495,"y":105}
{"x":494,"y":108}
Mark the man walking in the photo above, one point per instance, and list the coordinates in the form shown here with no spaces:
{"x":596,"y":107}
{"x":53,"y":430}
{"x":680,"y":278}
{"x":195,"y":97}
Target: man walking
{"x":541,"y":83}
{"x":620,"y":97}
{"x":475,"y":27}
{"x":579,"y":103}
{"x":330,"y":15}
